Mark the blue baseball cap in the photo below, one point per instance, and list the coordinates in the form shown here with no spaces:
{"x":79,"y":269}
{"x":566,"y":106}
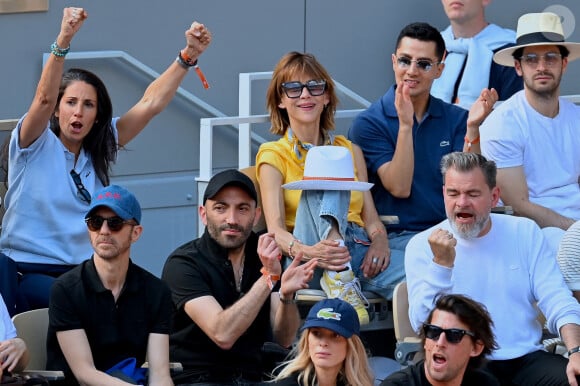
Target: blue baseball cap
{"x":335,"y":315}
{"x":119,"y":200}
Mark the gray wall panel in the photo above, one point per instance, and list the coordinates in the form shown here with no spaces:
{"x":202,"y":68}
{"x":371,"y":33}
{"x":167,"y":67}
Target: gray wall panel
{"x":353,"y":39}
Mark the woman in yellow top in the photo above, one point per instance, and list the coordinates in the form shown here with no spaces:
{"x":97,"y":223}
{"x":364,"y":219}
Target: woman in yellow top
{"x":302,"y":102}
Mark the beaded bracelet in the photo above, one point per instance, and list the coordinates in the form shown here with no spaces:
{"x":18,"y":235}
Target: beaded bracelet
{"x":290,"y":253}
{"x":57,"y":51}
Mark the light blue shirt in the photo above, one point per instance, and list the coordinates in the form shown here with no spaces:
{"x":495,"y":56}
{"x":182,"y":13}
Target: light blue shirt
{"x":7,"y":329}
{"x":44,"y":219}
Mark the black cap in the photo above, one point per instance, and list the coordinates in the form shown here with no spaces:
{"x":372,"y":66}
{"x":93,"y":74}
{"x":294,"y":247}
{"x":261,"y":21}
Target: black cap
{"x":227,"y":178}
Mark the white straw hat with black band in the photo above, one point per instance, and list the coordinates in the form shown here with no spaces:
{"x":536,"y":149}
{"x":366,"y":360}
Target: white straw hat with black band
{"x":537,"y":29}
{"x":328,"y":168}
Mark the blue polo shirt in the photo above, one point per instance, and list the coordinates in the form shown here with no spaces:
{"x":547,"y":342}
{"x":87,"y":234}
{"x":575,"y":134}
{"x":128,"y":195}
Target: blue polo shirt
{"x":442,"y":131}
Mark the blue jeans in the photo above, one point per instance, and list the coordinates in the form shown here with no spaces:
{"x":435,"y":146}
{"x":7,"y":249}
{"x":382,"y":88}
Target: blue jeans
{"x":26,"y":286}
{"x":399,"y":240}
{"x":317,"y":211}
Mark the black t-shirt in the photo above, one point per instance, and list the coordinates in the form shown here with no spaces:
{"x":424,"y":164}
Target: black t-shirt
{"x":201,"y":268}
{"x":115,"y":331}
{"x":414,"y":375}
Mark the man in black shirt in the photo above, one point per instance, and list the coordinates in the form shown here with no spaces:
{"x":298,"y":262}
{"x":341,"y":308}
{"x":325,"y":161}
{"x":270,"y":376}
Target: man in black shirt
{"x":108,"y":310}
{"x":222,"y":286}
{"x":456,"y":336}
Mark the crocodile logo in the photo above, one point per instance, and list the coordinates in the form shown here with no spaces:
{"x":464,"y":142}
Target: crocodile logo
{"x":328,"y":313}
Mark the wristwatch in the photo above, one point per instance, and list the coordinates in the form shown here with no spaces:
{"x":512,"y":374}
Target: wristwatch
{"x":573,"y":350}
{"x":287,"y":301}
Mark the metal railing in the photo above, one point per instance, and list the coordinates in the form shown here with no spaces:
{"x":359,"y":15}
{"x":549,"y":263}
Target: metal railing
{"x":139,"y":66}
{"x":206,"y":132}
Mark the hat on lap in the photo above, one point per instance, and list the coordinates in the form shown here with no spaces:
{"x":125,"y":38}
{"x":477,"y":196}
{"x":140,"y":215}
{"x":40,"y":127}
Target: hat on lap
{"x":328,"y":168}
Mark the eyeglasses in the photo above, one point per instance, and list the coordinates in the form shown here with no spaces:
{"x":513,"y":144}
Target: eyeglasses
{"x":453,"y":335}
{"x":550,"y":59}
{"x":115,"y":223}
{"x":82,"y":192}
{"x":422,"y":64}
{"x":294,"y":89}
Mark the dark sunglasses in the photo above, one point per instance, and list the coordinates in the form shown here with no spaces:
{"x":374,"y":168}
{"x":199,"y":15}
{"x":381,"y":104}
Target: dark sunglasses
{"x":453,"y":335}
{"x":422,"y":64}
{"x":82,"y":192}
{"x":115,"y":223}
{"x":294,"y":89}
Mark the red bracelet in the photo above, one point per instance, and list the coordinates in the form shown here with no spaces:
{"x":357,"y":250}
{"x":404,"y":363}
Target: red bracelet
{"x":469,"y":143}
{"x":378,"y":230}
{"x":187,"y":59}
{"x":191,"y":63}
{"x":270,"y":279}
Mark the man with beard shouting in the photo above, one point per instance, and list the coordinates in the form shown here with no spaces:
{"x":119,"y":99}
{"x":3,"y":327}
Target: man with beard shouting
{"x":502,"y":262}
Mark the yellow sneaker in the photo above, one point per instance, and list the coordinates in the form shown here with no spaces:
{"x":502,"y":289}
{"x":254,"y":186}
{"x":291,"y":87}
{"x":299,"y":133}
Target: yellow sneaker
{"x":344,"y":285}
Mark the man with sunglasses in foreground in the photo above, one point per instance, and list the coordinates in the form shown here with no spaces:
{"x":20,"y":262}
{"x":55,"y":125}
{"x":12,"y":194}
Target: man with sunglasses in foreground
{"x":457,"y":336}
{"x":404,"y":134}
{"x":107,"y":314}
{"x":504,"y":263}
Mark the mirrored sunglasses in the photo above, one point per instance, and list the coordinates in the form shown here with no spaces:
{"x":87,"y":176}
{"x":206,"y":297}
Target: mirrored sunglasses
{"x":294,"y":89}
{"x":422,"y":64}
{"x":453,"y":335}
{"x":115,"y":223}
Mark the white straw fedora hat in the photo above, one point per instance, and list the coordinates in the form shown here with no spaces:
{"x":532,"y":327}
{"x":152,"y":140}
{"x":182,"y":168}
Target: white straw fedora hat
{"x":328,"y":168}
{"x":537,"y":29}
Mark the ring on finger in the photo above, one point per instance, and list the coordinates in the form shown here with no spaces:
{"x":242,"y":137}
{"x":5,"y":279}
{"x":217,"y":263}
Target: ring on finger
{"x":375,"y":260}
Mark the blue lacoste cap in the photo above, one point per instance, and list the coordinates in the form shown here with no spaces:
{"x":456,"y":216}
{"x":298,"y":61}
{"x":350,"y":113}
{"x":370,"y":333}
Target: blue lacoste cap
{"x":335,"y":315}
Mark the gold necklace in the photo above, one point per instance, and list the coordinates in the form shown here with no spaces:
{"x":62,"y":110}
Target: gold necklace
{"x":240,"y":274}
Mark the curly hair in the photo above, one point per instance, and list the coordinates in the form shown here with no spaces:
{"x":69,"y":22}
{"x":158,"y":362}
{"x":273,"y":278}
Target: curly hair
{"x":291,"y":66}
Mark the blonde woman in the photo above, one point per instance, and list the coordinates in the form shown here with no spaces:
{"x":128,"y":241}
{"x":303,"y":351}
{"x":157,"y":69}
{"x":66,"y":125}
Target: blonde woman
{"x":330,"y":351}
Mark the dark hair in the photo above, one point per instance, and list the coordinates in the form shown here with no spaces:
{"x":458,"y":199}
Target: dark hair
{"x":425,"y":33}
{"x":100,"y":142}
{"x":465,"y":162}
{"x":291,"y":65}
{"x":475,"y":316}
{"x":564,"y":51}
